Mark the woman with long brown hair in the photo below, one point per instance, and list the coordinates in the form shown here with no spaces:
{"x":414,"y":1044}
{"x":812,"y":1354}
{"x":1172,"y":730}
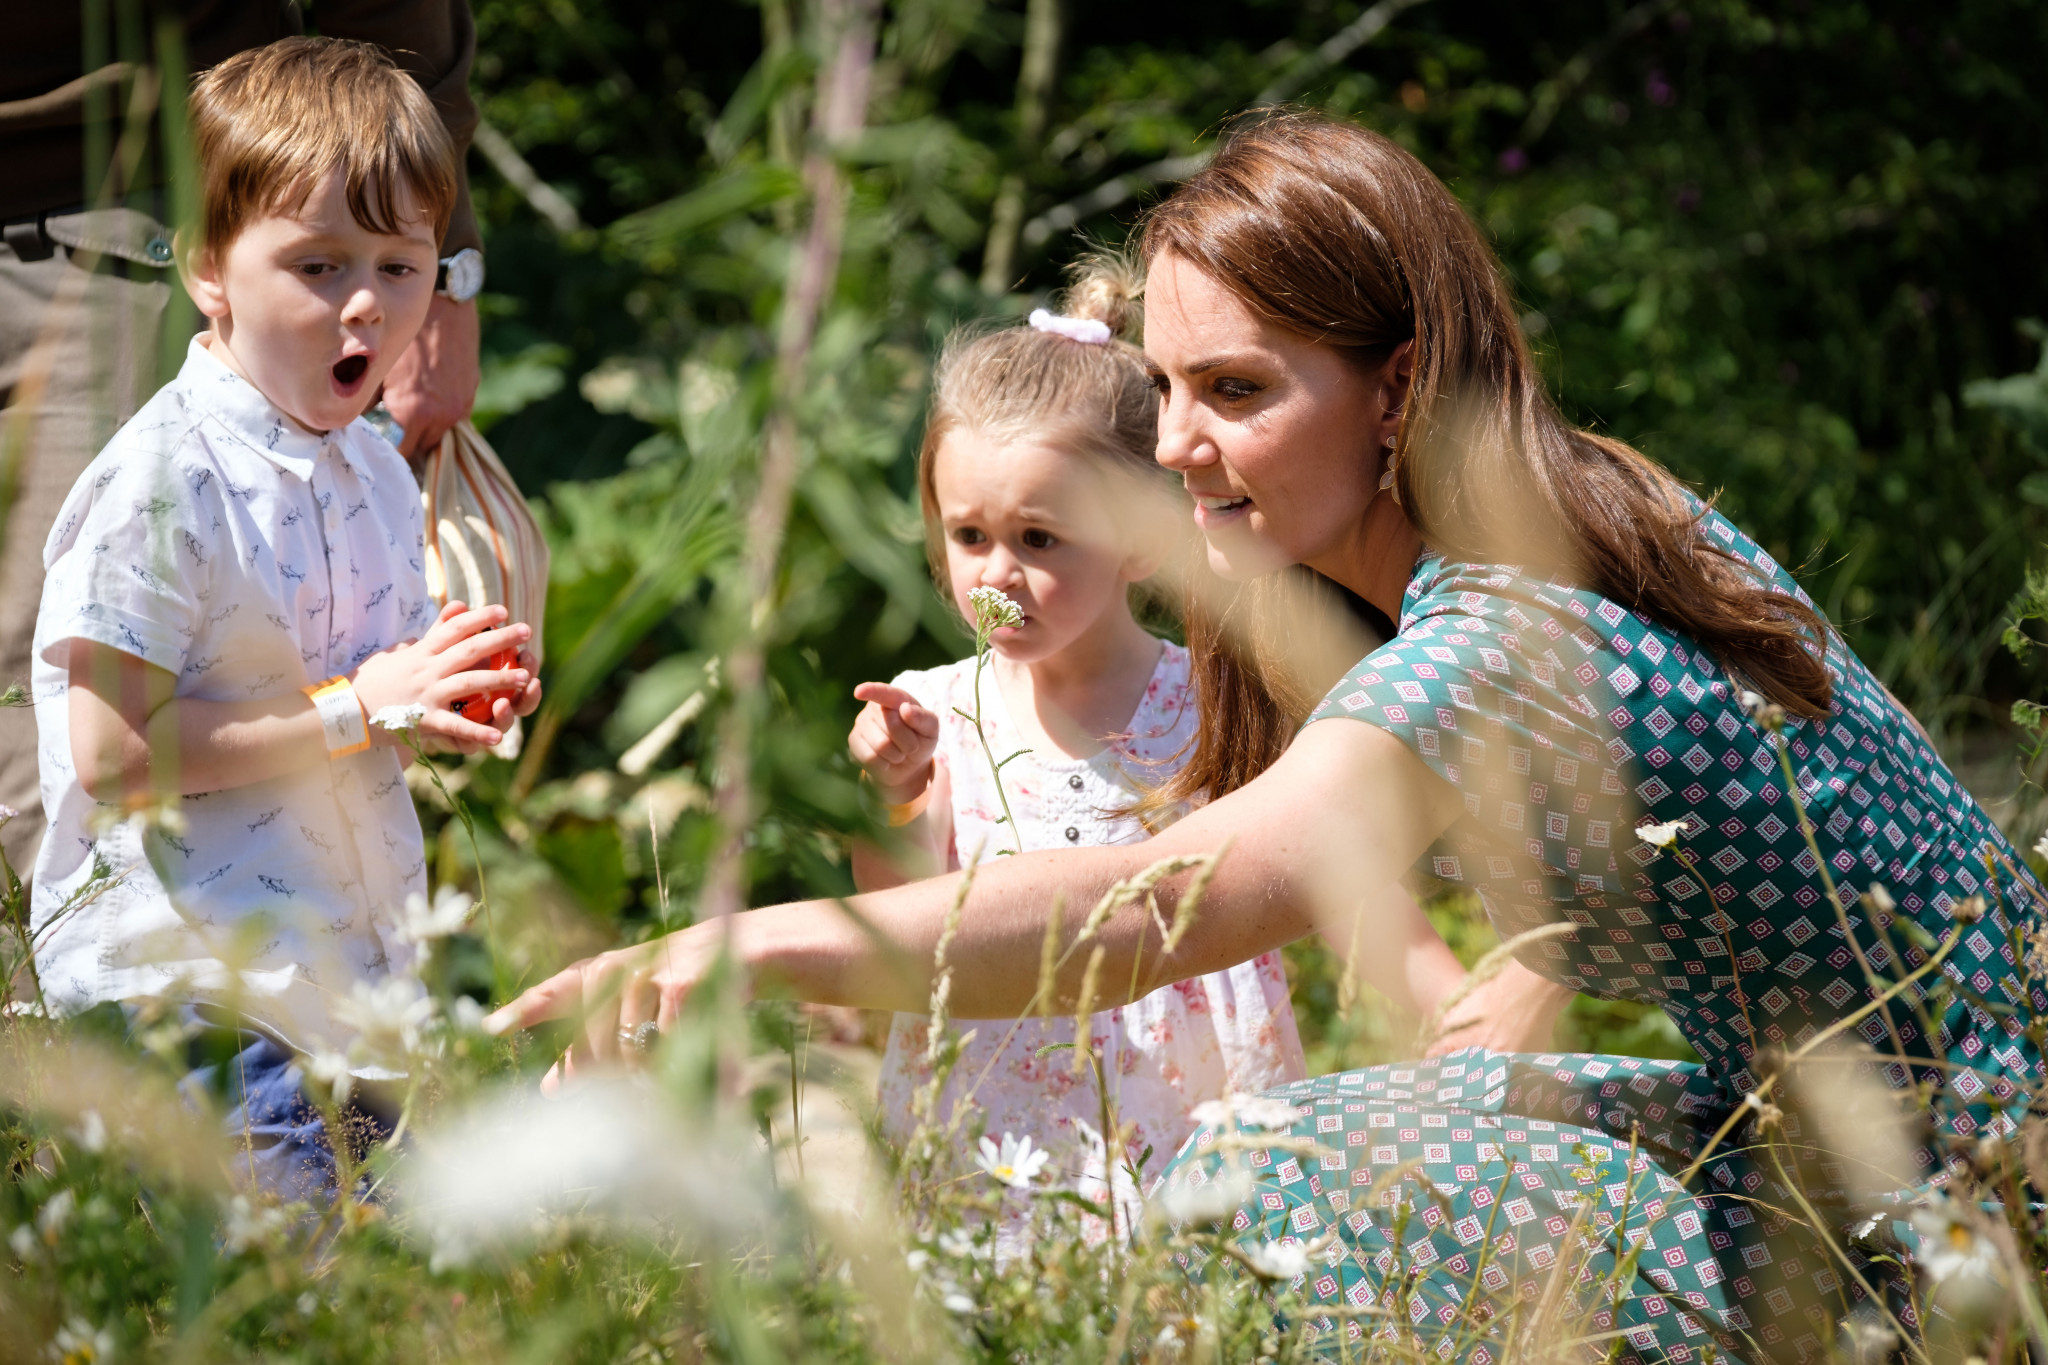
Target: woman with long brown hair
{"x":1578,"y":717}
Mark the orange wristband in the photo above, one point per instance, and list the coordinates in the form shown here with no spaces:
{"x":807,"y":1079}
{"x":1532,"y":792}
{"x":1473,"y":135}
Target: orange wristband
{"x":341,"y":716}
{"x":910,"y":810}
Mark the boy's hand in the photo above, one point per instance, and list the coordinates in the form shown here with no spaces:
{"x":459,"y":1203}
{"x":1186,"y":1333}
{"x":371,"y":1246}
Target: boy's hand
{"x":502,"y":710}
{"x":894,"y":738}
{"x":444,"y":666}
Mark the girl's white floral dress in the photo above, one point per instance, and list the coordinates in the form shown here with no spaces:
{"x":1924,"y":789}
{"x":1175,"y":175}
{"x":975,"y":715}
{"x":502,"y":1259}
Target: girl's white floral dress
{"x":1200,"y":1039}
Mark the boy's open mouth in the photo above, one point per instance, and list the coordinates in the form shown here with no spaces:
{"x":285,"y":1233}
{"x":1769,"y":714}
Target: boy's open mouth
{"x":349,"y":370}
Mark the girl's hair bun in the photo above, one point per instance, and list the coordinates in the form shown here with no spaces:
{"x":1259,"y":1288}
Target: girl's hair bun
{"x":1107,"y":286}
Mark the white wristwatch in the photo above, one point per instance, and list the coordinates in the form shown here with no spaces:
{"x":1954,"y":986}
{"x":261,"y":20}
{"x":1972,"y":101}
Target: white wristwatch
{"x":462,"y":275}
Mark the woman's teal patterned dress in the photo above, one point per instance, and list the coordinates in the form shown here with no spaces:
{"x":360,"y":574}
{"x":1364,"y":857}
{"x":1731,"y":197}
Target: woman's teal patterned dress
{"x":1566,"y":721}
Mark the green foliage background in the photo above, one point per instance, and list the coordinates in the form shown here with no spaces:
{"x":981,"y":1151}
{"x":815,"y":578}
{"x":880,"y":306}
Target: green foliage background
{"x":1775,"y":246}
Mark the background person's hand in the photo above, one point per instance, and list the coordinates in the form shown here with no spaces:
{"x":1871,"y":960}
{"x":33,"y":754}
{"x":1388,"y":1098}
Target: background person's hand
{"x":433,"y":385}
{"x":615,"y":992}
{"x":1515,"y":1011}
{"x":894,"y":739}
{"x":447,"y":664}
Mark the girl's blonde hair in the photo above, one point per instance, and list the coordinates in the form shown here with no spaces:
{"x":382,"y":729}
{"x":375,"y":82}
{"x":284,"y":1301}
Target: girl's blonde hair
{"x":1021,"y":383}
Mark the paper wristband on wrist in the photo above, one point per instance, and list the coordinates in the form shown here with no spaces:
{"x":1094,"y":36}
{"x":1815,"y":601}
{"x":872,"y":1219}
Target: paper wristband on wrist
{"x":341,"y":716}
{"x":910,"y":810}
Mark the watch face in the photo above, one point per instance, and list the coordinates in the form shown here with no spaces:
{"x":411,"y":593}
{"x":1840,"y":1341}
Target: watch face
{"x":465,"y":274}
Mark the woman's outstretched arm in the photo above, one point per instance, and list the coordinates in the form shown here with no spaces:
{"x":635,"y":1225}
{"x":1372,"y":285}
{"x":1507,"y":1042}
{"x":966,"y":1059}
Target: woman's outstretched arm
{"x":1322,"y":836}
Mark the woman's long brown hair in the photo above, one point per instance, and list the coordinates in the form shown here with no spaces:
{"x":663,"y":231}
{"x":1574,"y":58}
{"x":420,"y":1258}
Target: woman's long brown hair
{"x":1338,"y":235}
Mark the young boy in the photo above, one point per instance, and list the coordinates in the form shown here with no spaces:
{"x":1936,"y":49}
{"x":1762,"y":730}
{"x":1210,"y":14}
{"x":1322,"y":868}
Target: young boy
{"x":235,"y":586}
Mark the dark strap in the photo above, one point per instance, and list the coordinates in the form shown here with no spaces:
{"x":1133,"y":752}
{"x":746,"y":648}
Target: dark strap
{"x":27,"y":240}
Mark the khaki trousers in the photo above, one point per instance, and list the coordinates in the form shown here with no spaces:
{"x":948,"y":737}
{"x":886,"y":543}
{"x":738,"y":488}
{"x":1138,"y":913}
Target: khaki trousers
{"x":79,"y":353}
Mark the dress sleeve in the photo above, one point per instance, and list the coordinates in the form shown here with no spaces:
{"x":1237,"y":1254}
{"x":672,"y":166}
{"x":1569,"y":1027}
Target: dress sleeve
{"x":1506,"y":696}
{"x":130,"y":563}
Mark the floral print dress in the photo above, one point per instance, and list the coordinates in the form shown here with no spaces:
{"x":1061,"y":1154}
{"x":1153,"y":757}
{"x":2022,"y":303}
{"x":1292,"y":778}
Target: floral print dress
{"x":1196,"y":1040}
{"x":1567,"y":721}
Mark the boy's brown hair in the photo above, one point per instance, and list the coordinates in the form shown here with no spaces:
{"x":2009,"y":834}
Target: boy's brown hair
{"x":269,"y":123}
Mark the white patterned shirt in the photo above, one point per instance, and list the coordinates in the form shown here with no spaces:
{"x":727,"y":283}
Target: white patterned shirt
{"x":1200,"y":1039}
{"x":218,"y":540}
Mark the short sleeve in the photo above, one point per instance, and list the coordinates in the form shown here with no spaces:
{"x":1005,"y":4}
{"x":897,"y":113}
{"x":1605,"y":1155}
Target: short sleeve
{"x":129,"y":562}
{"x":1505,"y":695}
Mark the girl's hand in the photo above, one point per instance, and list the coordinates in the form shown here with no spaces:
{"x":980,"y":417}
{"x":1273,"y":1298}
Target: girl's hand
{"x":894,"y":739}
{"x":445,"y":665}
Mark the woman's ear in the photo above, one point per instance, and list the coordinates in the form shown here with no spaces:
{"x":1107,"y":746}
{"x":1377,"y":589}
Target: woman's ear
{"x":1396,"y":377}
{"x":199,"y":272}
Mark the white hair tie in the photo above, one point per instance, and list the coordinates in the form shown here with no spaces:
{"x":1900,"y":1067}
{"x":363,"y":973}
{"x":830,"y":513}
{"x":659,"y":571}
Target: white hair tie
{"x":1087,"y":331}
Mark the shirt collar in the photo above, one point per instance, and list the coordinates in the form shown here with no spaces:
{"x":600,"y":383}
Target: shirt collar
{"x":256,"y":422}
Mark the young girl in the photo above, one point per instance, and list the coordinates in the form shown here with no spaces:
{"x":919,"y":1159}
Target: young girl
{"x":1038,"y":480}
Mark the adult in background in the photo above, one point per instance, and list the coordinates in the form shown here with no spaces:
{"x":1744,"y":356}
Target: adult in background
{"x":1344,"y":385}
{"x":85,"y":294}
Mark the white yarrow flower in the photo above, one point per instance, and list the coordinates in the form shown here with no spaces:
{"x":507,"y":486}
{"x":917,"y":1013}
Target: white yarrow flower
{"x":994,"y":608}
{"x":399,"y":719}
{"x":2041,"y":845}
{"x":1664,"y":836}
{"x":1278,"y":1260}
{"x":1016,"y":1163}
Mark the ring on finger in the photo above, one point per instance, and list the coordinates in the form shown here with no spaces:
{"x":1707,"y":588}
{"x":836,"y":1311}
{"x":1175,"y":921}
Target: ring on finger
{"x":642,"y":1038}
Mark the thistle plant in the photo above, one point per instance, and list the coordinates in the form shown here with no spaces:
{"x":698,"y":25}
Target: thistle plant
{"x":993,"y":610}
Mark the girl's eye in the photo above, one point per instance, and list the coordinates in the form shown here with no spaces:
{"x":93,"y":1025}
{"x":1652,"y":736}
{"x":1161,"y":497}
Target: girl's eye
{"x":967,"y":535}
{"x":1038,"y":540}
{"x":399,"y":270}
{"x":315,"y":269}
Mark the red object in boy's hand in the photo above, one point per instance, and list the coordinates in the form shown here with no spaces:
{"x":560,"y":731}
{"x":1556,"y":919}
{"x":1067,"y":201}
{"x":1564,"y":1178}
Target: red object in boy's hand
{"x":477,"y":706}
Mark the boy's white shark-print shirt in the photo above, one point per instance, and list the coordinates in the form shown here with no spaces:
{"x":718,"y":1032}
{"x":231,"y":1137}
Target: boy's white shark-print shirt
{"x":218,"y":540}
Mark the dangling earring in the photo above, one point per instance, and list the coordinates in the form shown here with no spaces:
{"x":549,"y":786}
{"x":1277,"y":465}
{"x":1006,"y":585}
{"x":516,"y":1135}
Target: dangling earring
{"x":1387,"y":477}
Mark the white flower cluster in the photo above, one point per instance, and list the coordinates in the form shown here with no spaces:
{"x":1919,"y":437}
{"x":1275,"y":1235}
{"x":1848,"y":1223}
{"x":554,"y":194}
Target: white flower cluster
{"x":1664,"y":836}
{"x":994,"y":609}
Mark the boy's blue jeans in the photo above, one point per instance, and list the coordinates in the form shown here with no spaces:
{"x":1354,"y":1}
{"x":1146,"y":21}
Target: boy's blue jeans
{"x":281,"y":1143}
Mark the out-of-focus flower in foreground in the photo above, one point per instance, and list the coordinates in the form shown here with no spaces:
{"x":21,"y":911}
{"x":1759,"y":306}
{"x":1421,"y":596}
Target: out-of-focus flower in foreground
{"x":78,"y":1342}
{"x":1016,"y":1163}
{"x":1189,"y":1204}
{"x":388,"y":1017}
{"x":425,"y":924}
{"x":1253,"y":1111}
{"x":1277,"y":1260}
{"x":610,"y":1154}
{"x":1961,"y":1265}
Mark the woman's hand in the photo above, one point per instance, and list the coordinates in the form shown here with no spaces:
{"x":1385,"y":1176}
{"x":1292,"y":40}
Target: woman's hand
{"x":1514,"y":1011}
{"x":445,"y":665}
{"x":894,"y":739}
{"x":614,"y":993}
